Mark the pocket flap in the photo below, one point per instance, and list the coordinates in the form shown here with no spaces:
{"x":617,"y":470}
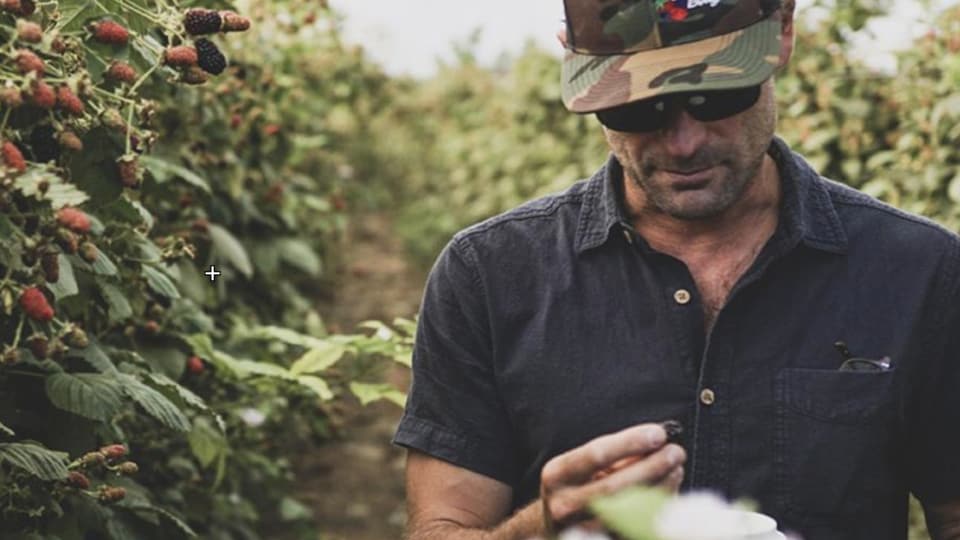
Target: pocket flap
{"x":837,"y":396}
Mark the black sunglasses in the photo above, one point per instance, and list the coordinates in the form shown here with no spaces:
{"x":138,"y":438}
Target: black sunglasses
{"x":652,"y":114}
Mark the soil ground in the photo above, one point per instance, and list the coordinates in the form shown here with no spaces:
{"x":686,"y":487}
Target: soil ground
{"x":354,"y":485}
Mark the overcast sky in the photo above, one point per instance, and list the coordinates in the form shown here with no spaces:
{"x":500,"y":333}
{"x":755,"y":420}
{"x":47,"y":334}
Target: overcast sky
{"x":407,"y":36}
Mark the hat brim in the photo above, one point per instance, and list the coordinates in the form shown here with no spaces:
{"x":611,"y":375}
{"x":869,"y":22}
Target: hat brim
{"x":745,"y":57}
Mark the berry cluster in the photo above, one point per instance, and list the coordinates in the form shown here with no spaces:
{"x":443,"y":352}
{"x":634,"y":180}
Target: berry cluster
{"x":196,"y":62}
{"x":106,"y":460}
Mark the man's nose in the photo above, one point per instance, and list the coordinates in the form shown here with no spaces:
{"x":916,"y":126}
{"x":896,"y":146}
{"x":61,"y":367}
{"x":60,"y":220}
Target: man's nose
{"x":683,"y":134}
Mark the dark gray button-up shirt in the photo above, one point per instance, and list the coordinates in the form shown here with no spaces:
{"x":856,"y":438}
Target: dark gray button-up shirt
{"x":555,"y":323}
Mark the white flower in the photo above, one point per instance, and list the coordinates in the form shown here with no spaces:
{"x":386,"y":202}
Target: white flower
{"x":252,"y":417}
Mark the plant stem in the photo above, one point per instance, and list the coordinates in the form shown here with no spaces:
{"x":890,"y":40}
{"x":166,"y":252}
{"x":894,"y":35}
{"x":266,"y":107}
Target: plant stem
{"x":143,"y":78}
{"x":16,"y":337}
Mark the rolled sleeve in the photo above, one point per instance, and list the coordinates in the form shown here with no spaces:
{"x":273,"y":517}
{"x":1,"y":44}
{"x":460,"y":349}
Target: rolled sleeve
{"x":454,"y":411}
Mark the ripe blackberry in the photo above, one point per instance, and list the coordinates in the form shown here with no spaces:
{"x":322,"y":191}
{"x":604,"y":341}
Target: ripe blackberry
{"x":200,"y":21}
{"x":50,"y":263}
{"x":209,"y":57}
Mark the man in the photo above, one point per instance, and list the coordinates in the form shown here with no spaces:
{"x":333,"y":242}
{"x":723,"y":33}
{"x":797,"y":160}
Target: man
{"x":704,"y":274}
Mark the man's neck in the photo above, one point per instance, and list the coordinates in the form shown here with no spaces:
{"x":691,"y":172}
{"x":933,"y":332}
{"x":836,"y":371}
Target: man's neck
{"x":753,"y":216}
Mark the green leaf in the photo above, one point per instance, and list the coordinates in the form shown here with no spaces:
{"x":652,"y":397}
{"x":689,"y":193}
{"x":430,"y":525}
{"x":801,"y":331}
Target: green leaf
{"x":103,"y":266}
{"x":66,"y":284}
{"x":179,"y":523}
{"x":244,"y":368}
{"x":163,"y":171}
{"x":58,"y":191}
{"x":70,"y":14}
{"x":631,"y":512}
{"x":6,"y":430}
{"x":206,"y":443}
{"x":90,"y":395}
{"x":293,"y":510}
{"x":155,"y":404}
{"x":183,"y":393}
{"x":118,"y":307}
{"x":159,"y":282}
{"x":317,"y":385}
{"x":300,"y":255}
{"x":318,"y":358}
{"x":95,"y":356}
{"x":40,"y":462}
{"x":285,"y":335}
{"x":369,"y":392}
{"x":228,"y":247}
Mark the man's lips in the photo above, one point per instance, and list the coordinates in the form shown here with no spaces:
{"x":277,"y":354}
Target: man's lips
{"x":690,"y":179}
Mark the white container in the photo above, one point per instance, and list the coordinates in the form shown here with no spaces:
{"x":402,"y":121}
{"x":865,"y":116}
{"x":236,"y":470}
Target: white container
{"x":728,"y":524}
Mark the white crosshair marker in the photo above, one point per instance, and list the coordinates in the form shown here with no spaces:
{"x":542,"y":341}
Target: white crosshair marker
{"x":212,"y":272}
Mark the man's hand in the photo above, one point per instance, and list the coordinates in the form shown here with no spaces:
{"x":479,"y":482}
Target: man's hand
{"x":637,"y":455}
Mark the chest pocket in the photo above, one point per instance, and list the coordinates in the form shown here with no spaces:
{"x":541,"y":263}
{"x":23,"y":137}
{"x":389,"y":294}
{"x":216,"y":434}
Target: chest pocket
{"x":835,"y":442}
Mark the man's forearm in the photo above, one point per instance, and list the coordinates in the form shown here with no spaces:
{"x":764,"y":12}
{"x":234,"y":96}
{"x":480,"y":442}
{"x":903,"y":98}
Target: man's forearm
{"x":523,"y":525}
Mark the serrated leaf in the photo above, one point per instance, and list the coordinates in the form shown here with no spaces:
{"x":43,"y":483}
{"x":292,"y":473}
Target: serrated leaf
{"x":179,"y":523}
{"x":155,"y":403}
{"x":318,"y":358}
{"x":94,"y":355}
{"x":66,"y":284}
{"x":118,"y":307}
{"x":370,"y":392}
{"x":90,"y":395}
{"x":159,"y":282}
{"x":317,"y":385}
{"x":102,"y":265}
{"x":41,"y":462}
{"x":58,"y":191}
{"x":228,"y":247}
{"x":6,"y":430}
{"x":163,"y":171}
{"x":183,"y":393}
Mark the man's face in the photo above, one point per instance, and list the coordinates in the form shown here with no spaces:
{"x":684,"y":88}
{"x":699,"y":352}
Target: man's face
{"x":694,"y":170}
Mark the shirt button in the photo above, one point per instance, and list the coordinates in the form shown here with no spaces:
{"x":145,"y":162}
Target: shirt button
{"x":682,"y":296}
{"x":707,"y":397}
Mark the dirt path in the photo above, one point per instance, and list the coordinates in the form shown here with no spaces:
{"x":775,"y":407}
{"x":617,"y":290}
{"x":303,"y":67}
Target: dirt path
{"x":355,"y":485}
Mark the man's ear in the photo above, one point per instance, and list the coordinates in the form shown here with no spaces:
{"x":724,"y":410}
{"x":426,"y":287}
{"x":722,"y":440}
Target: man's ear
{"x":787,"y":36}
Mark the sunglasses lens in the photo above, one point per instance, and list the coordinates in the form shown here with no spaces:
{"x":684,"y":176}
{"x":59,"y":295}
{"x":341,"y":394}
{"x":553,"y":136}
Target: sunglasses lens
{"x":638,"y":117}
{"x":650,"y":115}
{"x":720,"y":104}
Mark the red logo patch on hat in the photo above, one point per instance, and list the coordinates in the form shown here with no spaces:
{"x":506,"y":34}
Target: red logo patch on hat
{"x":672,"y":10}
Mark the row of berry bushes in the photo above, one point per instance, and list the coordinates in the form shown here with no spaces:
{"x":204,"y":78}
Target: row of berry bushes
{"x":142,"y":143}
{"x":477,"y":141}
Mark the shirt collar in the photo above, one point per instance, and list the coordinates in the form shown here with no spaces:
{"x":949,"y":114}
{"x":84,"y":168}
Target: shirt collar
{"x":807,"y":213}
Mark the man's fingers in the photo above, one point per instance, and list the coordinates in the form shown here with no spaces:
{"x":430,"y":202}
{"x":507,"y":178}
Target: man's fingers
{"x":662,"y":468}
{"x":652,"y":470}
{"x":578,"y":465}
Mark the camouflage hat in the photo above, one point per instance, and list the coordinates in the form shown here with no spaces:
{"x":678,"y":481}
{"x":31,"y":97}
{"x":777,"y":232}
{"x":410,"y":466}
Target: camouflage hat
{"x":620,"y":51}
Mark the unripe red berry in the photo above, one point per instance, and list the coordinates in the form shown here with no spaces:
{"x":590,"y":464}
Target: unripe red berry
{"x":77,"y":479}
{"x":110,"y":32}
{"x":74,"y":219}
{"x":114,"y":451}
{"x":195,"y":365}
{"x":35,"y":305}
